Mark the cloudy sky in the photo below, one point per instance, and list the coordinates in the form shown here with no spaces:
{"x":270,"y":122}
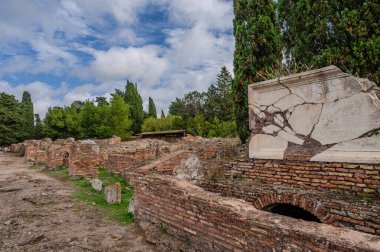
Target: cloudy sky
{"x":66,"y":50}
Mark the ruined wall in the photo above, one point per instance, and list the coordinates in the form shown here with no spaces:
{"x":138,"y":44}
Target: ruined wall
{"x":357,"y":213}
{"x":205,"y":221}
{"x":36,"y":150}
{"x":342,"y":178}
{"x":85,"y":158}
{"x":58,"y":153}
{"x":133,"y":154}
{"x":320,"y":115}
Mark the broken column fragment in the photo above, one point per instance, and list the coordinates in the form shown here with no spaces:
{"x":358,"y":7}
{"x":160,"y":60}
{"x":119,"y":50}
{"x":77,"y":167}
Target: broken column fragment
{"x":310,"y":112}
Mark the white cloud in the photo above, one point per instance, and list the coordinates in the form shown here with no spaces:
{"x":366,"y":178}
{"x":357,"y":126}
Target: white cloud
{"x":198,"y":41}
{"x":142,"y":64}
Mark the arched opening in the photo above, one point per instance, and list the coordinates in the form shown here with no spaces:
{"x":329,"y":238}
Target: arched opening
{"x":292,"y":211}
{"x":66,"y":159}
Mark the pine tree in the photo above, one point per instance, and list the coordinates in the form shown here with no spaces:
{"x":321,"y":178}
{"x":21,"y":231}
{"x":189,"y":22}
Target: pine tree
{"x":162,"y":114}
{"x":343,"y":33}
{"x":257,"y":47}
{"x":152,"y":108}
{"x":133,"y":98}
{"x":38,"y":129}
{"x":11,"y":120}
{"x":28,"y":115}
{"x":218,"y":102}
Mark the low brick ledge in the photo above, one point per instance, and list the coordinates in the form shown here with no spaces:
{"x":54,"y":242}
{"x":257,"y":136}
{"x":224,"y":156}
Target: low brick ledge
{"x":203,"y":216}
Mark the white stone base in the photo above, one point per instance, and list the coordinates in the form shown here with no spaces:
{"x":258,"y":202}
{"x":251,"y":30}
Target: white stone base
{"x":267,"y":147}
{"x":363,"y":150}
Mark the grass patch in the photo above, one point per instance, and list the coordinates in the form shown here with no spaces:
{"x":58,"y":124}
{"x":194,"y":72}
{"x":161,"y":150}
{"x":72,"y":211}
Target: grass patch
{"x":84,"y":192}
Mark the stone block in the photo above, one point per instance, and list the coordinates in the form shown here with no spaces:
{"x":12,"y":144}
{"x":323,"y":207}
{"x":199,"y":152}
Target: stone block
{"x":189,"y":169}
{"x":322,"y":108}
{"x":267,"y":147}
{"x":96,"y":184}
{"x":112,"y":193}
{"x":362,"y":150}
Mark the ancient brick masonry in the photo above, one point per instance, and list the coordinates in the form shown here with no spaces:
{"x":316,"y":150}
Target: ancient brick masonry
{"x":207,"y":222}
{"x":35,"y":150}
{"x":59,"y":153}
{"x":85,"y":158}
{"x":339,"y":210}
{"x":346,"y":178}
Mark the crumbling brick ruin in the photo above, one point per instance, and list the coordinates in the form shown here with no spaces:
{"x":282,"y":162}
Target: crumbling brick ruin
{"x":313,"y":156}
{"x":309,"y":182}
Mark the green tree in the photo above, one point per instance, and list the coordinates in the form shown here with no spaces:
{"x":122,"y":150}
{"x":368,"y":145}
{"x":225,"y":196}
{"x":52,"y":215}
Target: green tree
{"x":218,"y":101}
{"x":133,"y":98}
{"x":39,"y":127}
{"x":257,"y":47}
{"x":343,"y":33}
{"x":152,"y":108}
{"x":178,"y":107}
{"x":11,"y":120}
{"x":171,"y":122}
{"x":89,"y":120}
{"x":101,"y":101}
{"x":27,"y":115}
{"x":118,"y":118}
{"x":54,"y":123}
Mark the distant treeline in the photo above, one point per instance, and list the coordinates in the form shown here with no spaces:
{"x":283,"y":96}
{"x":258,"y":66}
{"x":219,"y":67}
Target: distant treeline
{"x":207,"y":114}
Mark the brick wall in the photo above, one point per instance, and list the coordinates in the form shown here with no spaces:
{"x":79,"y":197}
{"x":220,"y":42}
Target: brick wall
{"x":208,"y":222}
{"x":85,"y":158}
{"x":335,"y":209}
{"x":351,"y":179}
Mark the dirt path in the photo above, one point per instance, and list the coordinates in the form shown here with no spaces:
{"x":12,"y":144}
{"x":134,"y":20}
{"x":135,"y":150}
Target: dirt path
{"x":37,"y":213}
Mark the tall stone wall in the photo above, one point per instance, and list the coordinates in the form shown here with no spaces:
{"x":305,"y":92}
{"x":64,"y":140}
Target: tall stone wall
{"x":320,"y":115}
{"x":205,"y":221}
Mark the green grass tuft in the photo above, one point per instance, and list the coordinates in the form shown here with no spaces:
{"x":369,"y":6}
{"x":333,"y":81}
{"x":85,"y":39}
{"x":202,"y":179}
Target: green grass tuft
{"x":84,"y":192}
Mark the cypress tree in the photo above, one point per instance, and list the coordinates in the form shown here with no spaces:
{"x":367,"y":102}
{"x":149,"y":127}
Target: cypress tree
{"x":133,"y":98}
{"x":28,"y":115}
{"x":257,"y":47}
{"x":152,"y":108}
{"x":10,"y":120}
{"x":343,"y":33}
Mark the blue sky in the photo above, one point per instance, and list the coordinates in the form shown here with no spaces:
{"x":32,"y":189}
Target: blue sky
{"x":67,"y":50}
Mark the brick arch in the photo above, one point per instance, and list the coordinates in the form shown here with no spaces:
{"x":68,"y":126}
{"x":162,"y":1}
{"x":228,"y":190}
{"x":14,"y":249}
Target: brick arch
{"x":310,"y":205}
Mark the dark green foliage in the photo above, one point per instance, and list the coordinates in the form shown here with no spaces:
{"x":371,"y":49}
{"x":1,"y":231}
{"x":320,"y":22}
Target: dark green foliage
{"x":54,"y":123}
{"x":214,"y":128}
{"x":257,"y":46}
{"x":27,"y":116}
{"x":218,"y":102}
{"x":90,"y":121}
{"x":171,"y":122}
{"x":38,"y":128}
{"x":343,"y":33}
{"x":152,"y":112}
{"x":162,"y":114}
{"x":102,"y":101}
{"x":11,"y":119}
{"x":178,"y":107}
{"x":133,"y":98}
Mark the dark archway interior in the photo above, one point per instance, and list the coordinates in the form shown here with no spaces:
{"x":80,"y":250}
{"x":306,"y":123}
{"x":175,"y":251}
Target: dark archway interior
{"x":292,"y":211}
